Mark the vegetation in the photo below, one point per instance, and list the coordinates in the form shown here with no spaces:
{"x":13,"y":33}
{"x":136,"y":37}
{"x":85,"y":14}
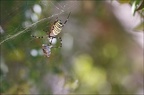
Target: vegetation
{"x":99,"y":54}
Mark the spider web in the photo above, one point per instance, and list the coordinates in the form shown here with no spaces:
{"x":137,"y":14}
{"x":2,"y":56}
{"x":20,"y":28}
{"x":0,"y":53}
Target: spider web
{"x":15,"y":32}
{"x":60,"y":8}
{"x":27,"y":27}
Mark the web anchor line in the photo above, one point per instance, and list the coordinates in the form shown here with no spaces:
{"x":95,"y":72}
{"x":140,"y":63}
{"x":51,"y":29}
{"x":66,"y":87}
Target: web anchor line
{"x":25,"y":30}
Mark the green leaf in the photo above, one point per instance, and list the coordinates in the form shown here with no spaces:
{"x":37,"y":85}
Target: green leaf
{"x":133,"y":7}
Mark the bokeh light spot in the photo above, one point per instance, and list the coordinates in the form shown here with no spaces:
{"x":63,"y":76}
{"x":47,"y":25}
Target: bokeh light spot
{"x":34,"y":52}
{"x":110,"y":50}
{"x":37,"y":8}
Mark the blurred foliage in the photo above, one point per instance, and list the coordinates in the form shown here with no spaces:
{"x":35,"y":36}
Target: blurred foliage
{"x":98,"y":56}
{"x":140,"y":27}
{"x":137,"y":6}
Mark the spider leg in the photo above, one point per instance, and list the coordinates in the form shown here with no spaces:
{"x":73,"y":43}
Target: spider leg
{"x":57,"y":38}
{"x":66,"y":19}
{"x":51,"y":37}
{"x":60,"y":42}
{"x":37,"y":37}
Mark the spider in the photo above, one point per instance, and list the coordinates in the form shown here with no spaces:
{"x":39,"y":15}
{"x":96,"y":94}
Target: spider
{"x":55,"y":30}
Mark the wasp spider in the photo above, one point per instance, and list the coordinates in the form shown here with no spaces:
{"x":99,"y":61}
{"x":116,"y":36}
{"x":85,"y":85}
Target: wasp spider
{"x":55,"y":30}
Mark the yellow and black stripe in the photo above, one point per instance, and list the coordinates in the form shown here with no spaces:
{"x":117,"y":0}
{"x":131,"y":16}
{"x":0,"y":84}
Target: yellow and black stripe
{"x":57,"y":27}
